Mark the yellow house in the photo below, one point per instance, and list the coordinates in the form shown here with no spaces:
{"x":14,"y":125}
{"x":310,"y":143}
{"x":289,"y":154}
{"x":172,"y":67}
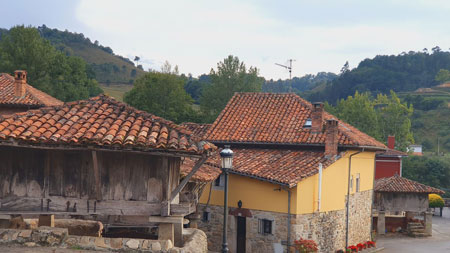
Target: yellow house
{"x":294,"y":166}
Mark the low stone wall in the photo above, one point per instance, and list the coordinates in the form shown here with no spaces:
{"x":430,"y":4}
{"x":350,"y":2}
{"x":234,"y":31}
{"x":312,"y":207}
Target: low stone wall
{"x":58,"y":237}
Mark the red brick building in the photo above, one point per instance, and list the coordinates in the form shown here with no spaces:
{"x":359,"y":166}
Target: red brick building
{"x":18,"y":96}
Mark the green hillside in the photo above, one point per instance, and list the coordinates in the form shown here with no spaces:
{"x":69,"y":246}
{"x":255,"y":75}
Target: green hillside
{"x":108,"y":67}
{"x":431,"y":118}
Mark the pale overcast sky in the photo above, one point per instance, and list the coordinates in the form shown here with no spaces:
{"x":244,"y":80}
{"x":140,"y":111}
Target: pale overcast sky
{"x":319,"y":34}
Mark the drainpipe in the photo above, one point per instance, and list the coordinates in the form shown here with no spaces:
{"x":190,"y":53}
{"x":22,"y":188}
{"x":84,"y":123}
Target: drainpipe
{"x":320,"y":187}
{"x":348,"y":195}
{"x":288,"y":241}
{"x":289,"y":221}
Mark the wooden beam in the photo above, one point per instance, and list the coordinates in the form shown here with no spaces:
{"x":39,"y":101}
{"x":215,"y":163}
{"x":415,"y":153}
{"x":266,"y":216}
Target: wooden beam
{"x":98,"y":187}
{"x":183,"y":183}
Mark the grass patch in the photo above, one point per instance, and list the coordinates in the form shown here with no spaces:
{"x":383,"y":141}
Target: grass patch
{"x":116,"y":90}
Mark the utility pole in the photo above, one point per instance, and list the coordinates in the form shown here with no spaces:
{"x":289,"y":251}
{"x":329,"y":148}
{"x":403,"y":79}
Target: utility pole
{"x":288,"y":67}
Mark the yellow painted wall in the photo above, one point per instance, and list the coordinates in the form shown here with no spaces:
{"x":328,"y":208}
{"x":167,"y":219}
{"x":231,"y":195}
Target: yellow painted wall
{"x":254,"y":194}
{"x":259,"y":195}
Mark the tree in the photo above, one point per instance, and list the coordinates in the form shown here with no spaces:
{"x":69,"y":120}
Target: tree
{"x":345,"y":68}
{"x":359,"y":111}
{"x":64,"y":77}
{"x":395,"y":119}
{"x":443,"y":76}
{"x":137,"y":59}
{"x":231,"y":76}
{"x":378,"y":117}
{"x":161,"y":94}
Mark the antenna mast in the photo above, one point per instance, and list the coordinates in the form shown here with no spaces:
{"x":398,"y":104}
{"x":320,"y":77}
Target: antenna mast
{"x":287,"y":67}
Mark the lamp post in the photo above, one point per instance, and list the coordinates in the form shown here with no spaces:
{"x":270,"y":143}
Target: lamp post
{"x":226,"y":156}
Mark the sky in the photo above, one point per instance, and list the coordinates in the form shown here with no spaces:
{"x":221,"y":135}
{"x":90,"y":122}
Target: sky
{"x":320,"y":35}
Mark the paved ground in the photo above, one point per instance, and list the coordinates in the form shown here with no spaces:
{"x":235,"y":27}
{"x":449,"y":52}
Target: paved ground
{"x":41,"y":250}
{"x":439,"y":242}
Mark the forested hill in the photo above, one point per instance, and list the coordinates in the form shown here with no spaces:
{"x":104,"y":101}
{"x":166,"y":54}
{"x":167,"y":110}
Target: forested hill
{"x":107,"y":66}
{"x":403,"y":72}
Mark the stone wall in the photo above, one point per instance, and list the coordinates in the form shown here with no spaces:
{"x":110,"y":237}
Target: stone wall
{"x":255,"y":242}
{"x":59,"y":237}
{"x":326,"y":228}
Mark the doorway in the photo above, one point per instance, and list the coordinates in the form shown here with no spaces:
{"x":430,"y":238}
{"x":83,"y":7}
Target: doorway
{"x":241,"y":234}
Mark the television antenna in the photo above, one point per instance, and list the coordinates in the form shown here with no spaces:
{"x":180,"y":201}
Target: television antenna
{"x":287,"y":67}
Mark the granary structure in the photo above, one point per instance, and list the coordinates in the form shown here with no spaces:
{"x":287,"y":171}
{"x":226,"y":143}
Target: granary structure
{"x":293,"y":168}
{"x":100,"y":159}
{"x":407,"y":199}
{"x":16,"y":95}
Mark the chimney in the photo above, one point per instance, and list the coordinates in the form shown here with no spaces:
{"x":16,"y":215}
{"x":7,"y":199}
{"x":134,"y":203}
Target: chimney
{"x":20,"y":79}
{"x":331,"y":138}
{"x":317,"y":117}
{"x":391,"y":142}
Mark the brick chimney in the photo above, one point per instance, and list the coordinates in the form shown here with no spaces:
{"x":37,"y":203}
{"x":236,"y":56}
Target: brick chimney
{"x":20,"y":79}
{"x":391,"y":142}
{"x":317,"y":117}
{"x":331,"y":138}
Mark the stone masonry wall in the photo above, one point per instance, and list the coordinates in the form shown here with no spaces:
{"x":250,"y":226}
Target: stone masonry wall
{"x":326,"y":228}
{"x":195,"y":241}
{"x":255,"y":242}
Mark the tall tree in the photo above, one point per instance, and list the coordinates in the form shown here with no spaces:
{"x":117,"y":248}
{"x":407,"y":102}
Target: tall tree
{"x":231,"y":76}
{"x":64,"y":77}
{"x":378,"y":117}
{"x":163,"y":95}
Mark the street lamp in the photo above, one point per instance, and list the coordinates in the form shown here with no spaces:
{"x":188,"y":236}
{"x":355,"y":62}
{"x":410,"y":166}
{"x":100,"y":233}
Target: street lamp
{"x":226,"y":157}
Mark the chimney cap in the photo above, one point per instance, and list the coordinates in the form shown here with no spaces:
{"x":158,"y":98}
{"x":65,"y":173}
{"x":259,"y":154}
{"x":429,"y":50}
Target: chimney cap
{"x":20,"y":75}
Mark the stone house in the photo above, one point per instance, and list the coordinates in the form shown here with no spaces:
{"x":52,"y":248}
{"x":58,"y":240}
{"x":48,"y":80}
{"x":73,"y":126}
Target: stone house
{"x":293,"y":168}
{"x":16,"y":95}
{"x":102,"y":160}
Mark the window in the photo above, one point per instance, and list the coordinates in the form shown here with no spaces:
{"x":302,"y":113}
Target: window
{"x":351,"y":183}
{"x":206,"y":216}
{"x":219,"y":183}
{"x":265,"y":226}
{"x":308,"y":123}
{"x":357,"y":182}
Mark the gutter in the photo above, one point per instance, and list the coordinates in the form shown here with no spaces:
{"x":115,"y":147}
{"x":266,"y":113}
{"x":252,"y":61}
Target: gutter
{"x":348,"y":195}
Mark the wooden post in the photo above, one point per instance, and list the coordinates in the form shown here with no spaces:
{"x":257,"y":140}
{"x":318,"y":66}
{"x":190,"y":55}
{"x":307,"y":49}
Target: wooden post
{"x":98,"y":188}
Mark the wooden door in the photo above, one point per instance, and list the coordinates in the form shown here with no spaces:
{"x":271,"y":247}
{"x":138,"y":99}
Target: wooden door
{"x":241,"y":234}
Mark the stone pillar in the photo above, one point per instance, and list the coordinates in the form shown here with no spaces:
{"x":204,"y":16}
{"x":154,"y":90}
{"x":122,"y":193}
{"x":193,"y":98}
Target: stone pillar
{"x":178,"y":234}
{"x":46,"y":220}
{"x":166,"y":231}
{"x":428,"y":216}
{"x":381,"y":225}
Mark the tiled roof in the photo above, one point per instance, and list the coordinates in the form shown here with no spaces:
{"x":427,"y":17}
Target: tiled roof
{"x":280,"y":166}
{"x":401,"y":184}
{"x":391,"y":152}
{"x":277,"y":119}
{"x":33,"y":97}
{"x":197,"y":129}
{"x":206,"y":173}
{"x":99,"y":122}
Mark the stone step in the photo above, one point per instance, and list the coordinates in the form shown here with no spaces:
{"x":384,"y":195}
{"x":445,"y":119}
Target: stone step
{"x":413,"y":230}
{"x":418,"y":235}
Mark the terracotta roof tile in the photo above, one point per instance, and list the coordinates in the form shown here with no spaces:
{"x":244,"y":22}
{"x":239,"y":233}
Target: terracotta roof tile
{"x":391,"y":152}
{"x":280,"y":166}
{"x":100,"y":121}
{"x":197,"y":129}
{"x":401,"y":184}
{"x":278,"y":119}
{"x":33,"y":97}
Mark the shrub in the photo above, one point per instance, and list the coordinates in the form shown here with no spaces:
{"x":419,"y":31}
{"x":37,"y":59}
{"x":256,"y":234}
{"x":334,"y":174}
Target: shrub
{"x":305,"y":246}
{"x":435,"y":200}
